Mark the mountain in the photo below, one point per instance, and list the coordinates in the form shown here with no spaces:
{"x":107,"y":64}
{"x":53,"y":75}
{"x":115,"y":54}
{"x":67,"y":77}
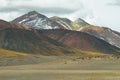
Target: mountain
{"x":51,"y":42}
{"x":36,"y":20}
{"x":70,"y":25}
{"x":80,"y":40}
{"x":29,"y":41}
{"x":104,"y":33}
{"x":79,"y":24}
{"x":63,"y":21}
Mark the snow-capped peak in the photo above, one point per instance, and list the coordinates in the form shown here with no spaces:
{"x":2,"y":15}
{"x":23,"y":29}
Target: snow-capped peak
{"x":36,"y":20}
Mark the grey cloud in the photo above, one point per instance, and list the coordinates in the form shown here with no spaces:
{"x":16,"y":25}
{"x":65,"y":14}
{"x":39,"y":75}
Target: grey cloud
{"x":24,"y":9}
{"x":23,"y":6}
{"x":7,"y":10}
{"x":116,"y":3}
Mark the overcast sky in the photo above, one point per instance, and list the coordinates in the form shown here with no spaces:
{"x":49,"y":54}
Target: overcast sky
{"x":98,"y":12}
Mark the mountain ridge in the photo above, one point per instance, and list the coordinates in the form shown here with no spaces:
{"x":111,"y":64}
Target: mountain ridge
{"x":104,"y":33}
{"x":79,"y":40}
{"x":36,"y":20}
{"x":55,"y":22}
{"x":51,"y":42}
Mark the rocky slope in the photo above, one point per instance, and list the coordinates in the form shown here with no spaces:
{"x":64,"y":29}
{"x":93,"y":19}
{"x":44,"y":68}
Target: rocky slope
{"x":28,"y":41}
{"x":105,"y":34}
{"x":77,"y":25}
{"x":36,"y":20}
{"x":63,"y":21}
{"x":80,"y":40}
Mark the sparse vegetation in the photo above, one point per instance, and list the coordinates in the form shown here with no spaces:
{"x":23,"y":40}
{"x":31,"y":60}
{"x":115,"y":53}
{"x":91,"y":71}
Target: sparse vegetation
{"x":106,"y":68}
{"x":7,"y":53}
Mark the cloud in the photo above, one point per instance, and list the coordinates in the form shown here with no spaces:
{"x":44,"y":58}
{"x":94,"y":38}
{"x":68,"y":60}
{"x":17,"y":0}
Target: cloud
{"x":82,"y":13}
{"x":47,"y":7}
{"x":115,"y":3}
{"x":46,"y":3}
{"x":25,"y":9}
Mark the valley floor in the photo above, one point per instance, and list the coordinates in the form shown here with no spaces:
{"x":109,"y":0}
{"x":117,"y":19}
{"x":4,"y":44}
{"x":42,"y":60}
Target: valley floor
{"x":65,"y":69}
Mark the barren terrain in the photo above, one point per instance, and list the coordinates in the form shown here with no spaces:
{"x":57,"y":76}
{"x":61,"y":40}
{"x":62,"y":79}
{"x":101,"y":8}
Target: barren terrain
{"x":65,"y":68}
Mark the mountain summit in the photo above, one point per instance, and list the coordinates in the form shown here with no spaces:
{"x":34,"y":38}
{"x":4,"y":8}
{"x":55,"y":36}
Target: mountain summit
{"x":63,"y":21}
{"x":70,"y":25}
{"x":36,"y":20}
{"x":80,"y":22}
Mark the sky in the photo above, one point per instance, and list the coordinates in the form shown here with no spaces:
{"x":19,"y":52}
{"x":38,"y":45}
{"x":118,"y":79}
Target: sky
{"x":97,"y":12}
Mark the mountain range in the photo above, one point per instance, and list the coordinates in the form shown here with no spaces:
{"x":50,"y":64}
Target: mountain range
{"x":36,"y":34}
{"x":50,"y":42}
{"x":38,"y":21}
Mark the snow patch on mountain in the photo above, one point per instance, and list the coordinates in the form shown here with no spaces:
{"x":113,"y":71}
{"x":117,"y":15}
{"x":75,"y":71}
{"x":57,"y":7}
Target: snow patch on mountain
{"x":116,"y":34}
{"x":23,"y":21}
{"x":36,"y":20}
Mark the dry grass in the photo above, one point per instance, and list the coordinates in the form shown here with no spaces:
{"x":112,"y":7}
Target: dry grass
{"x":59,"y":75}
{"x":8,"y":53}
{"x":78,"y":69}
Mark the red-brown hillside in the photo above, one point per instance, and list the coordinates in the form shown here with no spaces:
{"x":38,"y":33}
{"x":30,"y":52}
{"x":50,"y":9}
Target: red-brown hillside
{"x":79,"y":40}
{"x":21,"y":39}
{"x":108,"y":35}
{"x":49,"y":42}
{"x":5,"y":25}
